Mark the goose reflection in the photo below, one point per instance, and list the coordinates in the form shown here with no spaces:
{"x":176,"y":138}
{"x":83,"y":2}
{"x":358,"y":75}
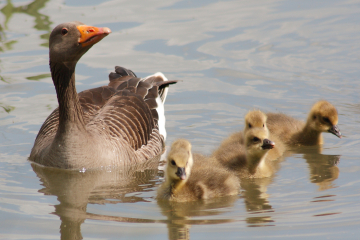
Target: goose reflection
{"x":254,"y":192}
{"x":323,"y":168}
{"x":181,"y":215}
{"x":76,"y":189}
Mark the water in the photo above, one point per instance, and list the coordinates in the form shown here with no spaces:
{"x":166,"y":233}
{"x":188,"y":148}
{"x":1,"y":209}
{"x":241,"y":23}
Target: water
{"x":232,"y":56}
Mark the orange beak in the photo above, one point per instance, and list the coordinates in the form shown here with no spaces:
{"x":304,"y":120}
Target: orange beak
{"x":91,"y":35}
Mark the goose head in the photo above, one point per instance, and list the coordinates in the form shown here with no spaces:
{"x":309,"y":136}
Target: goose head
{"x":255,"y":119}
{"x":323,"y":117}
{"x":69,"y":41}
{"x":257,"y":142}
{"x":179,"y":161}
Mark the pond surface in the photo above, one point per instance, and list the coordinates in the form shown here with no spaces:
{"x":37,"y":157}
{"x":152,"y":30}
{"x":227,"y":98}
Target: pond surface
{"x":233,"y":56}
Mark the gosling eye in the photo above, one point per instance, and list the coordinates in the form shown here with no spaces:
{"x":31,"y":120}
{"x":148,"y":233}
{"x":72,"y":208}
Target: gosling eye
{"x":263,"y":125}
{"x":173,"y":163}
{"x":255,"y":139}
{"x":325,"y":119}
{"x":64,"y":31}
{"x":314,"y":117}
{"x":249,"y":125}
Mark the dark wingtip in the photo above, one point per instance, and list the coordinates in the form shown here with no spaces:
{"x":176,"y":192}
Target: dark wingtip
{"x":121,"y":72}
{"x":166,"y":83}
{"x":124,"y":71}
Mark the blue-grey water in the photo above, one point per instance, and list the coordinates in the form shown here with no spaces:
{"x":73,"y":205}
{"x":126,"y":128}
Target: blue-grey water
{"x":232,"y":56}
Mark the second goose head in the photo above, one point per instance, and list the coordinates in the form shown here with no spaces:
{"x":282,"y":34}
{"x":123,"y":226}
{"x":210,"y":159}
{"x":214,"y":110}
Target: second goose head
{"x":255,"y":119}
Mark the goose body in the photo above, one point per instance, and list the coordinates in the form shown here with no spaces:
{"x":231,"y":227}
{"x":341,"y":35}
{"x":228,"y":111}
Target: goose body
{"x":114,"y":125}
{"x":191,"y":177}
{"x":323,"y":117}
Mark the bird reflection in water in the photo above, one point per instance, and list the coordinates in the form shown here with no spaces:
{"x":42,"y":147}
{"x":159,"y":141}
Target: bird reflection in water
{"x":323,"y":168}
{"x":74,"y":190}
{"x":181,"y":215}
{"x":254,"y":192}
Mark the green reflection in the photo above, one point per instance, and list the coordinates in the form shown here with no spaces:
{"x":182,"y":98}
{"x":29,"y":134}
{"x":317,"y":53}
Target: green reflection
{"x":42,"y":22}
{"x":40,"y":76}
{"x":7,"y":109}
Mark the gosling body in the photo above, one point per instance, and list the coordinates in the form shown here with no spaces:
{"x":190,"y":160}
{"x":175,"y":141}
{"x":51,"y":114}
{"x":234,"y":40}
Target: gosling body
{"x":323,"y":117}
{"x":253,"y":119}
{"x":191,"y":177}
{"x":248,"y":160}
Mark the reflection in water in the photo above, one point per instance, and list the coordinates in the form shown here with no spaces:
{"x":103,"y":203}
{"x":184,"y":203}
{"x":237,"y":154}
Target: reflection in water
{"x":256,"y":200}
{"x":323,"y":171}
{"x":323,"y":168}
{"x":42,"y":22}
{"x":179,"y":214}
{"x":76,"y":189}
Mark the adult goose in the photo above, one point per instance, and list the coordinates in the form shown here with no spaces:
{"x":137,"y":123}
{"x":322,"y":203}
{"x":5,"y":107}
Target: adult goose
{"x":115,"y":125}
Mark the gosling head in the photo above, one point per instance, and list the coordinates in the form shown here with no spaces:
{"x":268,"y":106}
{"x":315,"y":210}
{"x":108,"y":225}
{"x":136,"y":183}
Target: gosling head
{"x":257,"y":142}
{"x":255,"y":119}
{"x":179,"y":161}
{"x":323,"y":117}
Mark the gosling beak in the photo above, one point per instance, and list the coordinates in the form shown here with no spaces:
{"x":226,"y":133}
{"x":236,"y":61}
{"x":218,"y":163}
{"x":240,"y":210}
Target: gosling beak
{"x":335,"y":130}
{"x":90,"y":35}
{"x":181,"y":173}
{"x":267,"y":144}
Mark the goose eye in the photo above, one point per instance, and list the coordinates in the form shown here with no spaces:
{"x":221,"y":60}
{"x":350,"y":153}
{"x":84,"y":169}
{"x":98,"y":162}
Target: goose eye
{"x":173,"y":163}
{"x":249,"y":125}
{"x":325,"y":119}
{"x":255,"y":139}
{"x":64,"y":31}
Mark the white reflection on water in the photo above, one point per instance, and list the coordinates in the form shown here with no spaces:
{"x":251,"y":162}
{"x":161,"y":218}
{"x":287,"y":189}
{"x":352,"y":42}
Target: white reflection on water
{"x":232,"y":56}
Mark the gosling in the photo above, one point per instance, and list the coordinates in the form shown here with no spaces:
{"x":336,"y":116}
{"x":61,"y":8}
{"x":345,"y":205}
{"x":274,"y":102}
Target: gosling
{"x":323,"y":117}
{"x":190,"y":179}
{"x":249,"y":160}
{"x":253,"y":119}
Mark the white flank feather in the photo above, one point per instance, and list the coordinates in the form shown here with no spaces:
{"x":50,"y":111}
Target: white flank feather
{"x":160,"y":109}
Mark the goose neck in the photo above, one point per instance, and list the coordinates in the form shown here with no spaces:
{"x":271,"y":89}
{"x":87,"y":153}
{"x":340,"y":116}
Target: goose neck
{"x":70,"y":111}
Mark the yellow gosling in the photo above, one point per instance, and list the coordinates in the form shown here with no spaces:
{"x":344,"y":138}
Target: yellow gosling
{"x":189,"y":178}
{"x":323,"y":117}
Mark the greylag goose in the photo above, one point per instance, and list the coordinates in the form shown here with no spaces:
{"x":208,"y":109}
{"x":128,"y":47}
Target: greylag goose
{"x":115,"y":125}
{"x":323,"y":117}
{"x":189,"y":178}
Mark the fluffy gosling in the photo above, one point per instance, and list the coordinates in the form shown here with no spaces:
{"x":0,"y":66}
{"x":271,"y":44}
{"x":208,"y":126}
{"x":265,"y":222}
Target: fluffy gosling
{"x":249,"y":160}
{"x":190,"y":179}
{"x":323,"y":117}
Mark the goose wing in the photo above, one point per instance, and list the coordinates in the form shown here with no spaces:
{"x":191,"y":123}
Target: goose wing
{"x":133,"y":110}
